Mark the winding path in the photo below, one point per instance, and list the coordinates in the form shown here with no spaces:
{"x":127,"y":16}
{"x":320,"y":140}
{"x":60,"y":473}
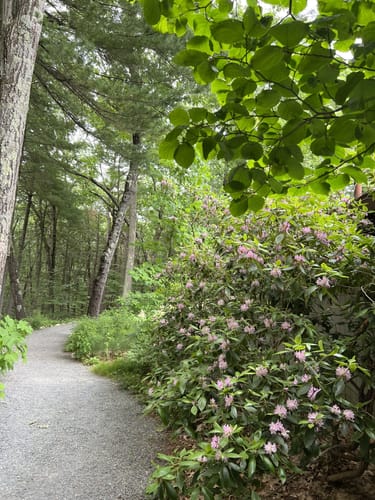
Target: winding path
{"x":67,"y":434}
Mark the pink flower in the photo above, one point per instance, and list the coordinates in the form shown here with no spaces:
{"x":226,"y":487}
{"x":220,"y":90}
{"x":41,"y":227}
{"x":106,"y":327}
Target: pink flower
{"x":215,"y":442}
{"x":223,"y":365}
{"x":192,"y":258}
{"x":180,"y":307}
{"x":335,"y":410}
{"x":261,"y":371}
{"x":228,"y":400}
{"x":191,"y":316}
{"x":299,"y":258}
{"x":202,"y":285}
{"x":349,"y":415}
{"x":212,"y":319}
{"x":275,"y":272}
{"x":291,"y":404}
{"x":182,"y":330}
{"x":244,"y":307}
{"x":300,"y":356}
{"x":255,"y":284}
{"x":306,"y":230}
{"x":202,"y":459}
{"x":270,"y":448}
{"x":228,"y":382}
{"x":206,"y":330}
{"x":232,"y":324}
{"x":179,"y":347}
{"x":220,"y":385}
{"x":285,"y":325}
{"x":163,"y":322}
{"x":323,"y":282}
{"x":213,"y":403}
{"x":315,"y":418}
{"x":211,"y":337}
{"x":189,"y":285}
{"x":280,"y":411}
{"x":305,"y":378}
{"x":343,"y":372}
{"x":284,"y":227}
{"x":227,"y":430}
{"x":202,"y":322}
{"x":277,"y":427}
{"x":313,"y":392}
{"x":249,"y":329}
{"x":322,"y":237}
{"x":220,"y":302}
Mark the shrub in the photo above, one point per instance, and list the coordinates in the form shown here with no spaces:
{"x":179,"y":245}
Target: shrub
{"x":12,"y":343}
{"x":264,"y":335}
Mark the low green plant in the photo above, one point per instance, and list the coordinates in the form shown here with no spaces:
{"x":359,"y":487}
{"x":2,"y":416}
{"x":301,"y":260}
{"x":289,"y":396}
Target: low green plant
{"x":12,"y":343}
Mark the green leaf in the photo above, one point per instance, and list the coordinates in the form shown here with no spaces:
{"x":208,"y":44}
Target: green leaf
{"x":234,"y":70}
{"x":321,"y":188}
{"x":208,"y":145}
{"x":228,"y":31}
{"x":267,"y":98}
{"x":252,"y":467}
{"x":207,"y":72}
{"x":167,"y":149}
{"x":184,"y":154}
{"x":190,"y":57}
{"x":252,"y":25}
{"x":194,"y":410}
{"x":294,"y":131}
{"x":252,"y":151}
{"x":289,"y":109}
{"x":356,"y":173}
{"x":179,"y":117}
{"x":267,"y":58}
{"x":255,"y":203}
{"x":339,"y":181}
{"x":197,"y":114}
{"x":315,"y":58}
{"x":323,"y":146}
{"x":289,"y":33}
{"x":202,"y":402}
{"x":239,"y":207}
{"x":152,"y":11}
{"x":295,"y":170}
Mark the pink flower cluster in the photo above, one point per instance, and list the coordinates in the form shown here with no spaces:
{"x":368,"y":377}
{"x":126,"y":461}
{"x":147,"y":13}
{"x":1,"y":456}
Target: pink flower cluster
{"x":278,"y":428}
{"x":343,"y":372}
{"x":249,"y":254}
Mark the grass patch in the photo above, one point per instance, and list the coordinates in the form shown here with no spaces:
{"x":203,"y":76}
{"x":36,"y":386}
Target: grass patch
{"x":125,"y":371}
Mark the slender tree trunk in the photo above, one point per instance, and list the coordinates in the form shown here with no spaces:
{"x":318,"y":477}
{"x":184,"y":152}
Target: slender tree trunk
{"x":130,"y":241}
{"x":21,"y":245}
{"x":20,"y":26}
{"x":97,"y":292}
{"x":15,"y":286}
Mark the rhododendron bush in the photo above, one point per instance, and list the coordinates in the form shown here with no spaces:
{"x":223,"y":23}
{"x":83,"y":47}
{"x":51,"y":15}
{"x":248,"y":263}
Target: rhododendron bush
{"x":263,"y":351}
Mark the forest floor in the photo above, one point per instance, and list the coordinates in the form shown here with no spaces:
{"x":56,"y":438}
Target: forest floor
{"x":67,"y":434}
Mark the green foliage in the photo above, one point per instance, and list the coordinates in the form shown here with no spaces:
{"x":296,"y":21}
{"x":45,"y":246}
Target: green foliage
{"x":12,"y":343}
{"x":295,"y":93}
{"x":264,"y":349}
{"x":115,"y":331}
{"x":39,"y":320}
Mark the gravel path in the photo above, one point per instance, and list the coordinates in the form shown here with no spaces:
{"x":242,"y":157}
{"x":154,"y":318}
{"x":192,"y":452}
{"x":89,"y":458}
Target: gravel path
{"x":67,"y":434}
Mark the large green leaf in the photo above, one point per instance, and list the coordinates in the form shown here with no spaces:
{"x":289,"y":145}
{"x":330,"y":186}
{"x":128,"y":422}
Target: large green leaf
{"x":228,"y":31}
{"x":179,"y":117}
{"x":256,"y":203}
{"x":239,"y":206}
{"x":152,"y":11}
{"x":289,"y":33}
{"x":252,"y":151}
{"x":356,"y":173}
{"x":190,"y":57}
{"x":184,"y":154}
{"x":323,"y":146}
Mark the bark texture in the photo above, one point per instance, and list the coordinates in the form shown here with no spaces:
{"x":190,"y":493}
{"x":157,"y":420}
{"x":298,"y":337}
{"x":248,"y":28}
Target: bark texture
{"x":20,"y":25}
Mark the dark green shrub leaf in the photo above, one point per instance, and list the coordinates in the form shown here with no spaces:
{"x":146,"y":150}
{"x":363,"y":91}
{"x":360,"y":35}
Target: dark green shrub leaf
{"x":190,"y":57}
{"x":355,"y":173}
{"x":323,"y":146}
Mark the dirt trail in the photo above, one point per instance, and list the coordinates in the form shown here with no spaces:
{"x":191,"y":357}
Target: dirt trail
{"x":67,"y":434}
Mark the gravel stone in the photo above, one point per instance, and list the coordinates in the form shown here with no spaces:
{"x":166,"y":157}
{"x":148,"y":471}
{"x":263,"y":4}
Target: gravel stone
{"x":67,"y":434}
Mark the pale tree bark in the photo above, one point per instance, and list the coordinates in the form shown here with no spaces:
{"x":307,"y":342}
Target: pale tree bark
{"x":20,"y":28}
{"x":131,"y":240}
{"x":97,"y":292}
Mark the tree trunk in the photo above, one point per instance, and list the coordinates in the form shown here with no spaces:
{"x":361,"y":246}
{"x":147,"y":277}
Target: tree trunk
{"x":97,"y":292}
{"x":20,"y":25}
{"x":15,"y":287}
{"x":130,"y":241}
